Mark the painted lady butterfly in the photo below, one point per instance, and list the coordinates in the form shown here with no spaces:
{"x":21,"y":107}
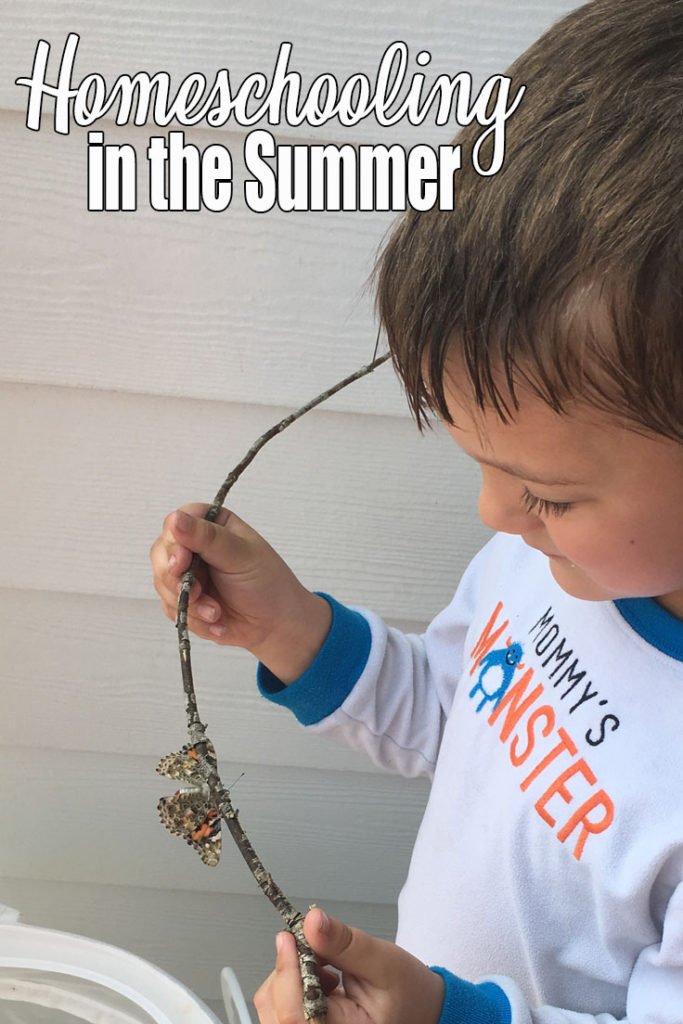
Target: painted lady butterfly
{"x":188,"y":813}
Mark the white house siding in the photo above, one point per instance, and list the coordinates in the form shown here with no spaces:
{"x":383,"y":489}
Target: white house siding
{"x":141,"y":354}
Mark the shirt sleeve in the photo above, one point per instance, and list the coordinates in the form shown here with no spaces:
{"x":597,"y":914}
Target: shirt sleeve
{"x":655,"y":996}
{"x":655,"y":989}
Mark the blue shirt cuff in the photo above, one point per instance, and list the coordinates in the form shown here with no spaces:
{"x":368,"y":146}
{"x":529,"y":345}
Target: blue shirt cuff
{"x":328,"y":681}
{"x":465,"y":1003}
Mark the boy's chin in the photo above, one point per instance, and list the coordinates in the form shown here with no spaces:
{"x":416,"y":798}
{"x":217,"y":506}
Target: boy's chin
{"x":574,"y":581}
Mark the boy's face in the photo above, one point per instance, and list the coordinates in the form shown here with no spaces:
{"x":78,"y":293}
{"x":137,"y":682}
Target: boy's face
{"x":604,"y":504}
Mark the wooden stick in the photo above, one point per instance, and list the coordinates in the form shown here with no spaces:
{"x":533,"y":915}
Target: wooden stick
{"x":314,"y":998}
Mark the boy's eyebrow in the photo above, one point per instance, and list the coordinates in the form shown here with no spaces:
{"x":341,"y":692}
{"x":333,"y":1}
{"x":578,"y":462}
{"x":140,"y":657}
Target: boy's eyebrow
{"x":521,"y":472}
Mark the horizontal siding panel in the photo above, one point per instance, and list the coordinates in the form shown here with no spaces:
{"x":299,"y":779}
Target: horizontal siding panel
{"x":480,"y":36}
{"x":273,"y":309}
{"x":236,"y":306}
{"x":361,"y":506}
{"x":191,"y":935}
{"x":323,"y":835}
{"x":83,"y":687}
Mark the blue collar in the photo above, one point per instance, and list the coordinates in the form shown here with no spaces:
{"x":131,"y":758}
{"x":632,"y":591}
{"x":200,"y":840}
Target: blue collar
{"x":655,"y":624}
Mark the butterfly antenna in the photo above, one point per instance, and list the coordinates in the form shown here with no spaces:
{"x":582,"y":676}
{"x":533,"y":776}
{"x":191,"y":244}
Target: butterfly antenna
{"x":236,"y":781}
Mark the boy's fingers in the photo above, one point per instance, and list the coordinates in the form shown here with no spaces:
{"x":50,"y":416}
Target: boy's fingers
{"x":167,"y":579}
{"x":207,"y":629}
{"x":286,"y":959}
{"x":329,"y":980}
{"x":263,"y":1002}
{"x":280,"y":998}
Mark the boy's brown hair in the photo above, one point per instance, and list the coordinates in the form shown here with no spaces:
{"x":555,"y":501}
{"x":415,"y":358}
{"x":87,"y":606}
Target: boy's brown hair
{"x":565,"y":270}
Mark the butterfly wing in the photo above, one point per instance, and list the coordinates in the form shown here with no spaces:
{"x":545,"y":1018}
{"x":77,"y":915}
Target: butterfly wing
{"x":188,"y":813}
{"x":185,"y":764}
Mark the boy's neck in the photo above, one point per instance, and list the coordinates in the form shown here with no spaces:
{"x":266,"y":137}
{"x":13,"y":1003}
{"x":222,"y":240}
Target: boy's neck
{"x":672,"y":603}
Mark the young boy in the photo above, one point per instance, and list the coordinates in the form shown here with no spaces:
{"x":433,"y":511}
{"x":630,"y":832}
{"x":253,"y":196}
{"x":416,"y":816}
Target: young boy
{"x":541,"y":321}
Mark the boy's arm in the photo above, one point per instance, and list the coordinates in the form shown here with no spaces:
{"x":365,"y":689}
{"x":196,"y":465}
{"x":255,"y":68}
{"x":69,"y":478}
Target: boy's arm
{"x":373,"y":688}
{"x":382,"y":691}
{"x":379,"y":690}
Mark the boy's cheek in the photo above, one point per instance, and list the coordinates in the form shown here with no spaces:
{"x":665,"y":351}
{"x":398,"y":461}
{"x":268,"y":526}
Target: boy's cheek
{"x":618,"y":571}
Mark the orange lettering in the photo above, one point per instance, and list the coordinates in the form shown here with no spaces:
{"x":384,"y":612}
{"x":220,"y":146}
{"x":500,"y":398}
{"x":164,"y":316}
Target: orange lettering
{"x":588,"y":827}
{"x":546,"y":712}
{"x":487,"y":638}
{"x":541,"y":721}
{"x":558,"y":787}
{"x":566,"y":743}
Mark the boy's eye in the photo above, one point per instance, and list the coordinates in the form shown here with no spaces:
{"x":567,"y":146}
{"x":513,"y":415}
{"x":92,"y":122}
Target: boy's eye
{"x":542,"y":506}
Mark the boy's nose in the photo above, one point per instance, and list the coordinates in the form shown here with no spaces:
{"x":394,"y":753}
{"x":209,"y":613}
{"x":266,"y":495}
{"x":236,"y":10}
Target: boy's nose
{"x":500,"y":506}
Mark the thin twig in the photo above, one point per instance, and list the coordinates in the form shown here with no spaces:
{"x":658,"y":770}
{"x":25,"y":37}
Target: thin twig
{"x":314,"y":999}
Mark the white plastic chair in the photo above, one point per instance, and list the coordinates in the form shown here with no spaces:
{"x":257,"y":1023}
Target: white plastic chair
{"x":99,"y":983}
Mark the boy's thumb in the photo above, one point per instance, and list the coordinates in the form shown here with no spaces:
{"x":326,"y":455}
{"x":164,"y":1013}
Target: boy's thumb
{"x":348,"y":949}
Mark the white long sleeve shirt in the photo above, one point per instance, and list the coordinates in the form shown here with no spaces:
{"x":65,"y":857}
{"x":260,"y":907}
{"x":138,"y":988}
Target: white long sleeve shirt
{"x":548,"y":867}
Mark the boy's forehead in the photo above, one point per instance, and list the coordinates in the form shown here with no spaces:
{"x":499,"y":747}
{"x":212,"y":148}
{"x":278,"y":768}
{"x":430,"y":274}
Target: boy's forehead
{"x":537,"y":443}
{"x":580,"y":448}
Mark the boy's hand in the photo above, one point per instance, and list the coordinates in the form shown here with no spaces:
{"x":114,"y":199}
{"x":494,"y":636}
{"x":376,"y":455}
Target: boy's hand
{"x":381,"y":983}
{"x":244,"y":595}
